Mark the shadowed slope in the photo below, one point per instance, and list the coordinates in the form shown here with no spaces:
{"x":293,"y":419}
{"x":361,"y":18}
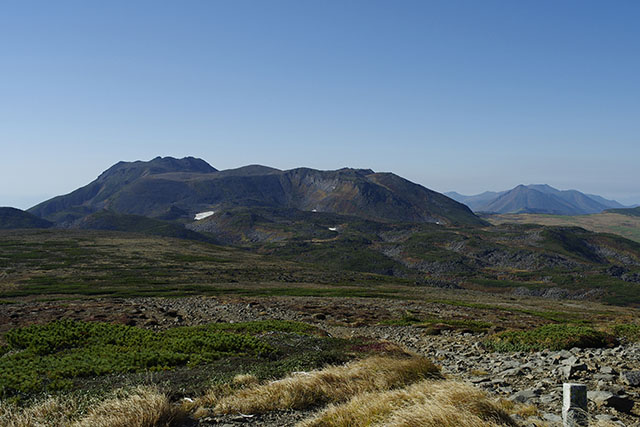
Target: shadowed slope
{"x":163,"y":186}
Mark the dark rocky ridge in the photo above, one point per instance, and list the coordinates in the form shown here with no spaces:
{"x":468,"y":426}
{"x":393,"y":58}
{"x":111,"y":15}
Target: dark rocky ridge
{"x":166,"y":185}
{"x":16,"y":218}
{"x":629,"y":212}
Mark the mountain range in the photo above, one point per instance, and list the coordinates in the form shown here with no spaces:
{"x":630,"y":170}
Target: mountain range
{"x":539,"y":199}
{"x":172,"y":189}
{"x":343,"y":223}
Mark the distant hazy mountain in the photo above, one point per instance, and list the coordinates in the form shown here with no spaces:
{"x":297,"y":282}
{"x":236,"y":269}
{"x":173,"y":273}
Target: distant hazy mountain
{"x":171,"y":189}
{"x":16,"y":218}
{"x":612,"y":204}
{"x":538,"y":198}
{"x":475,"y":202}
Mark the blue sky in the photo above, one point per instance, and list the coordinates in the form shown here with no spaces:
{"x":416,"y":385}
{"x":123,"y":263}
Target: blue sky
{"x":455,"y":95}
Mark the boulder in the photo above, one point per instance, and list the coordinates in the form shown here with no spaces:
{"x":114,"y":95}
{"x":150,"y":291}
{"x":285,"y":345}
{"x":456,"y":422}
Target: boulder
{"x":631,"y":378}
{"x":525,"y":396}
{"x":608,"y":399}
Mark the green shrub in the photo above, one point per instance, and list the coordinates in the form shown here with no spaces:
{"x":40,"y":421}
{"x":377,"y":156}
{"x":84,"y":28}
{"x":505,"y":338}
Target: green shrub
{"x":45,"y":357}
{"x":434,"y":325}
{"x":552,"y":337}
{"x":628,"y":331}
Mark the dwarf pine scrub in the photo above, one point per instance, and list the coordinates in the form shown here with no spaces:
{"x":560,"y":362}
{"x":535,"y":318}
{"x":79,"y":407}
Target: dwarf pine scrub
{"x":47,"y":357}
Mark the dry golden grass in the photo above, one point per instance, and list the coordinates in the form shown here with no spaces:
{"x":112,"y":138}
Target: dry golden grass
{"x":426,"y":403}
{"x":521,"y":409}
{"x":245,"y":380}
{"x":51,"y":412}
{"x":623,"y":225}
{"x":333,"y":384}
{"x":144,"y":407}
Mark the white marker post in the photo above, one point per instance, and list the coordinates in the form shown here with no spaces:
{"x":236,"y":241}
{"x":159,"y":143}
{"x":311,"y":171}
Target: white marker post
{"x":574,"y":405}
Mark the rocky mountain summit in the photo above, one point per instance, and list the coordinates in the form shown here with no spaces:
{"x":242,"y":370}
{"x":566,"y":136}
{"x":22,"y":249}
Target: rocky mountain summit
{"x":168,"y":187}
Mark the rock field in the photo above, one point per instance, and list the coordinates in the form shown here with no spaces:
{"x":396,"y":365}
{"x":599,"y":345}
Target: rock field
{"x":612,"y":375}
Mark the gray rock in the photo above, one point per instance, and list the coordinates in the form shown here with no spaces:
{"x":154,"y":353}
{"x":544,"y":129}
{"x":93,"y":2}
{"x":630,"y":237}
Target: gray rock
{"x":569,"y":371}
{"x":608,"y":399}
{"x":631,"y":378}
{"x":551,"y":418}
{"x":547,"y":398}
{"x":607,"y":370}
{"x":607,"y":378}
{"x":525,"y":396}
{"x":563,"y":354}
{"x":510,"y":372}
{"x":606,"y":417}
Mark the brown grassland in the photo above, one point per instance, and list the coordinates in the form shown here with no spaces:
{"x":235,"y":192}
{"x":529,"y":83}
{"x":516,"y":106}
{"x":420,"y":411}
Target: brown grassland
{"x":623,"y":225}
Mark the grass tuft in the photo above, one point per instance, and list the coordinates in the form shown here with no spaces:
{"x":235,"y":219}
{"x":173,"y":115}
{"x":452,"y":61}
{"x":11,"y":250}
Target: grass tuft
{"x":333,"y":384}
{"x":144,"y":407}
{"x":426,"y":403}
{"x":51,"y":412}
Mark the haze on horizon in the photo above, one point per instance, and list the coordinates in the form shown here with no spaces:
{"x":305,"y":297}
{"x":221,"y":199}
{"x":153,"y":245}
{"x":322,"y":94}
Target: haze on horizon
{"x":459,"y":96}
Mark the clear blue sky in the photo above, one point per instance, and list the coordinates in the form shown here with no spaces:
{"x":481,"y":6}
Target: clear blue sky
{"x":455,"y":95}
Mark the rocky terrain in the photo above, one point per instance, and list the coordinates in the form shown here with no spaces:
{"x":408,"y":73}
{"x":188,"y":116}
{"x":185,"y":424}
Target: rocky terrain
{"x":612,"y":374}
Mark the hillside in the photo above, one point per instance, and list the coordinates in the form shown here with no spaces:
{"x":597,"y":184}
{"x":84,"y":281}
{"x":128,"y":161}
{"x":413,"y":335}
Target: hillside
{"x":635,"y":212}
{"x":16,"y":218}
{"x":540,"y":199}
{"x":106,"y":220}
{"x":307,"y":247}
{"x":169,"y":188}
{"x":547,"y":261}
{"x":627,"y":226}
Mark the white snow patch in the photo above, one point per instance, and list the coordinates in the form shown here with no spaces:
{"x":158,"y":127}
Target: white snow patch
{"x":203,"y":215}
{"x":314,"y":210}
{"x":333,"y":228}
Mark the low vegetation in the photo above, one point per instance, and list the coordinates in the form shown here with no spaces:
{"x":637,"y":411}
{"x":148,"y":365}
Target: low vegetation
{"x":58,"y":355}
{"x":552,"y":337}
{"x":144,"y":407}
{"x":623,"y":222}
{"x":390,"y":390}
{"x":137,"y":407}
{"x":372,"y":257}
{"x":84,"y":263}
{"x":435,"y":325}
{"x":426,"y":403}
{"x":333,"y":384}
{"x":628,"y":331}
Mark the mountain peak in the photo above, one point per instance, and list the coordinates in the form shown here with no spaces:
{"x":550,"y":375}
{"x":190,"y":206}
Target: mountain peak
{"x":156,"y":166}
{"x":165,"y":185}
{"x":537,"y":198}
